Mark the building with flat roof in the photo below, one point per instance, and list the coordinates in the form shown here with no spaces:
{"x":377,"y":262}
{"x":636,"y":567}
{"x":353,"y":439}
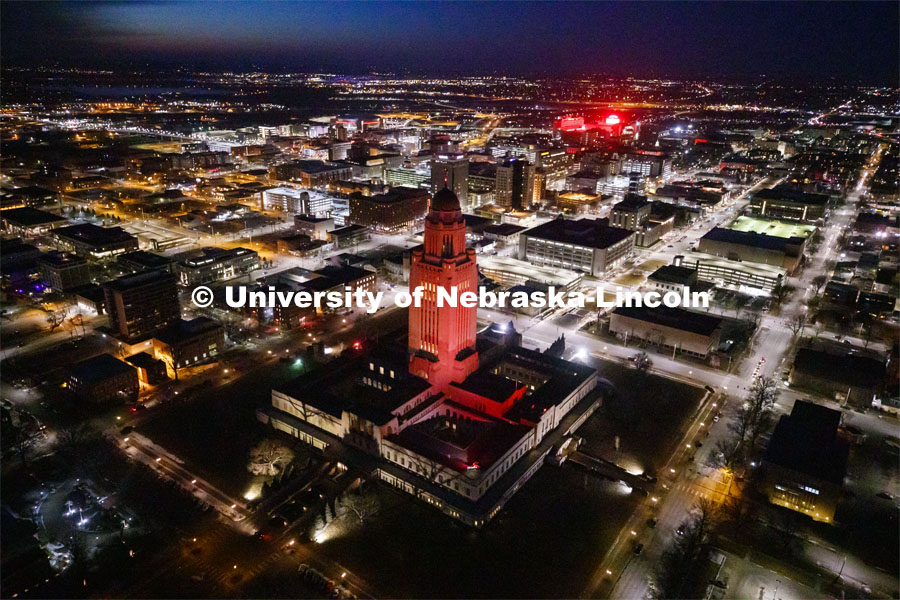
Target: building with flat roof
{"x":736,"y":274}
{"x":631,"y":213}
{"x":673,"y":278}
{"x":103,"y":378}
{"x":587,"y":245}
{"x":216,"y":264}
{"x":788,"y":203}
{"x":451,"y":171}
{"x":350,"y":235}
{"x":316,"y":228}
{"x":150,"y":370}
{"x":62,"y":272}
{"x":87,"y":239}
{"x":850,"y":378}
{"x":676,"y":329}
{"x":806,"y":462}
{"x":310,"y":173}
{"x":28,"y":222}
{"x":397,"y":210}
{"x":511,"y":272}
{"x":185,"y":343}
{"x":754,"y":247}
{"x":141,"y":303}
{"x":505,"y":233}
{"x":141,"y":260}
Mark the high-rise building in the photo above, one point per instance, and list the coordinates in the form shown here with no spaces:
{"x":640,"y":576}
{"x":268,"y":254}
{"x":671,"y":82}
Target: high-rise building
{"x":141,"y":304}
{"x":515,"y":184}
{"x":442,"y":338}
{"x":451,"y":171}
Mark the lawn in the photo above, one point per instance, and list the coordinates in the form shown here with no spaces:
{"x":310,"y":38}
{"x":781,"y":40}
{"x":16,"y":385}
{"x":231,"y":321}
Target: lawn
{"x":214,"y":430}
{"x":648,"y":413}
{"x":544,"y":544}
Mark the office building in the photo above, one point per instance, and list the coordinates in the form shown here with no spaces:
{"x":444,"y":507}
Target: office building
{"x":806,"y":462}
{"x":397,"y":210}
{"x":451,"y":171}
{"x":102,"y":379}
{"x":141,"y":303}
{"x":789,"y":204}
{"x":587,"y":245}
{"x":674,"y":329}
{"x":185,"y":343}
{"x":316,"y":228}
{"x":785,"y":252}
{"x":87,"y":239}
{"x":216,"y":264}
{"x":515,"y":184}
{"x":62,"y":272}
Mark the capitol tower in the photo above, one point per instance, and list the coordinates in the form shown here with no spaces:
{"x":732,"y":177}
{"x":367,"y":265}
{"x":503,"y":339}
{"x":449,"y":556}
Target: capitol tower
{"x":442,"y":339}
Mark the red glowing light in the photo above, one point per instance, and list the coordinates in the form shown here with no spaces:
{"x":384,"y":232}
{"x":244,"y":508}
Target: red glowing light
{"x":357,"y":345}
{"x":613,"y":120}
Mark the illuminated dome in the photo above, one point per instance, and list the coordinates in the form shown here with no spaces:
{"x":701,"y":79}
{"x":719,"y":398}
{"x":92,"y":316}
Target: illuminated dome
{"x":612,"y":120}
{"x":445,"y":201}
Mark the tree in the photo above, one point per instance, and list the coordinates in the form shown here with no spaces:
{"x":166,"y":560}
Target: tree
{"x":797,"y":323}
{"x":727,"y":454}
{"x":57,"y":317}
{"x":362,"y":504}
{"x":642,"y":362}
{"x":739,"y":302}
{"x":680,"y":570}
{"x":782,"y":292}
{"x":818,"y":282}
{"x":269,"y":457}
{"x":760,"y":401}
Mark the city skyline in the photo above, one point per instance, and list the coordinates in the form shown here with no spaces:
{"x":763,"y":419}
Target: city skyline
{"x":839,"y":41}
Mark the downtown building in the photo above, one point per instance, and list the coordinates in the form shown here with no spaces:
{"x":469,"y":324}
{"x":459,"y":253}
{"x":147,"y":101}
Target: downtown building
{"x":459,"y":419}
{"x":140,"y":304}
{"x":451,"y":171}
{"x":393,"y":212}
{"x":216,"y":264}
{"x":784,"y":252}
{"x":587,"y":245}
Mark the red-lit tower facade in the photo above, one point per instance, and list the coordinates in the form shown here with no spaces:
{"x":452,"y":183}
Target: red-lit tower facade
{"x":442,"y":339}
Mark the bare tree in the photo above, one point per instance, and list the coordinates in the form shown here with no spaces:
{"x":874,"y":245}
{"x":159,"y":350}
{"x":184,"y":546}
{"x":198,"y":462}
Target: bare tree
{"x":797,"y":323}
{"x":269,"y":458}
{"x":679,"y":572}
{"x":727,"y":454}
{"x":362,"y":504}
{"x":57,"y":317}
{"x":818,"y":282}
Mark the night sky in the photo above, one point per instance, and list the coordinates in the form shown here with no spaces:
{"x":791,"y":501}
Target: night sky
{"x":855,"y":41}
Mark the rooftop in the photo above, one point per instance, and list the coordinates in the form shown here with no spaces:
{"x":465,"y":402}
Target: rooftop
{"x":98,"y":368}
{"x":674,"y":274}
{"x":806,"y":441}
{"x":676,"y":318}
{"x":94,"y":234}
{"x":182,"y":330}
{"x":583,"y":232}
{"x":29,"y":217}
{"x":752,"y":238}
{"x":846,"y":369}
{"x":771,"y":227}
{"x":139,"y":279}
